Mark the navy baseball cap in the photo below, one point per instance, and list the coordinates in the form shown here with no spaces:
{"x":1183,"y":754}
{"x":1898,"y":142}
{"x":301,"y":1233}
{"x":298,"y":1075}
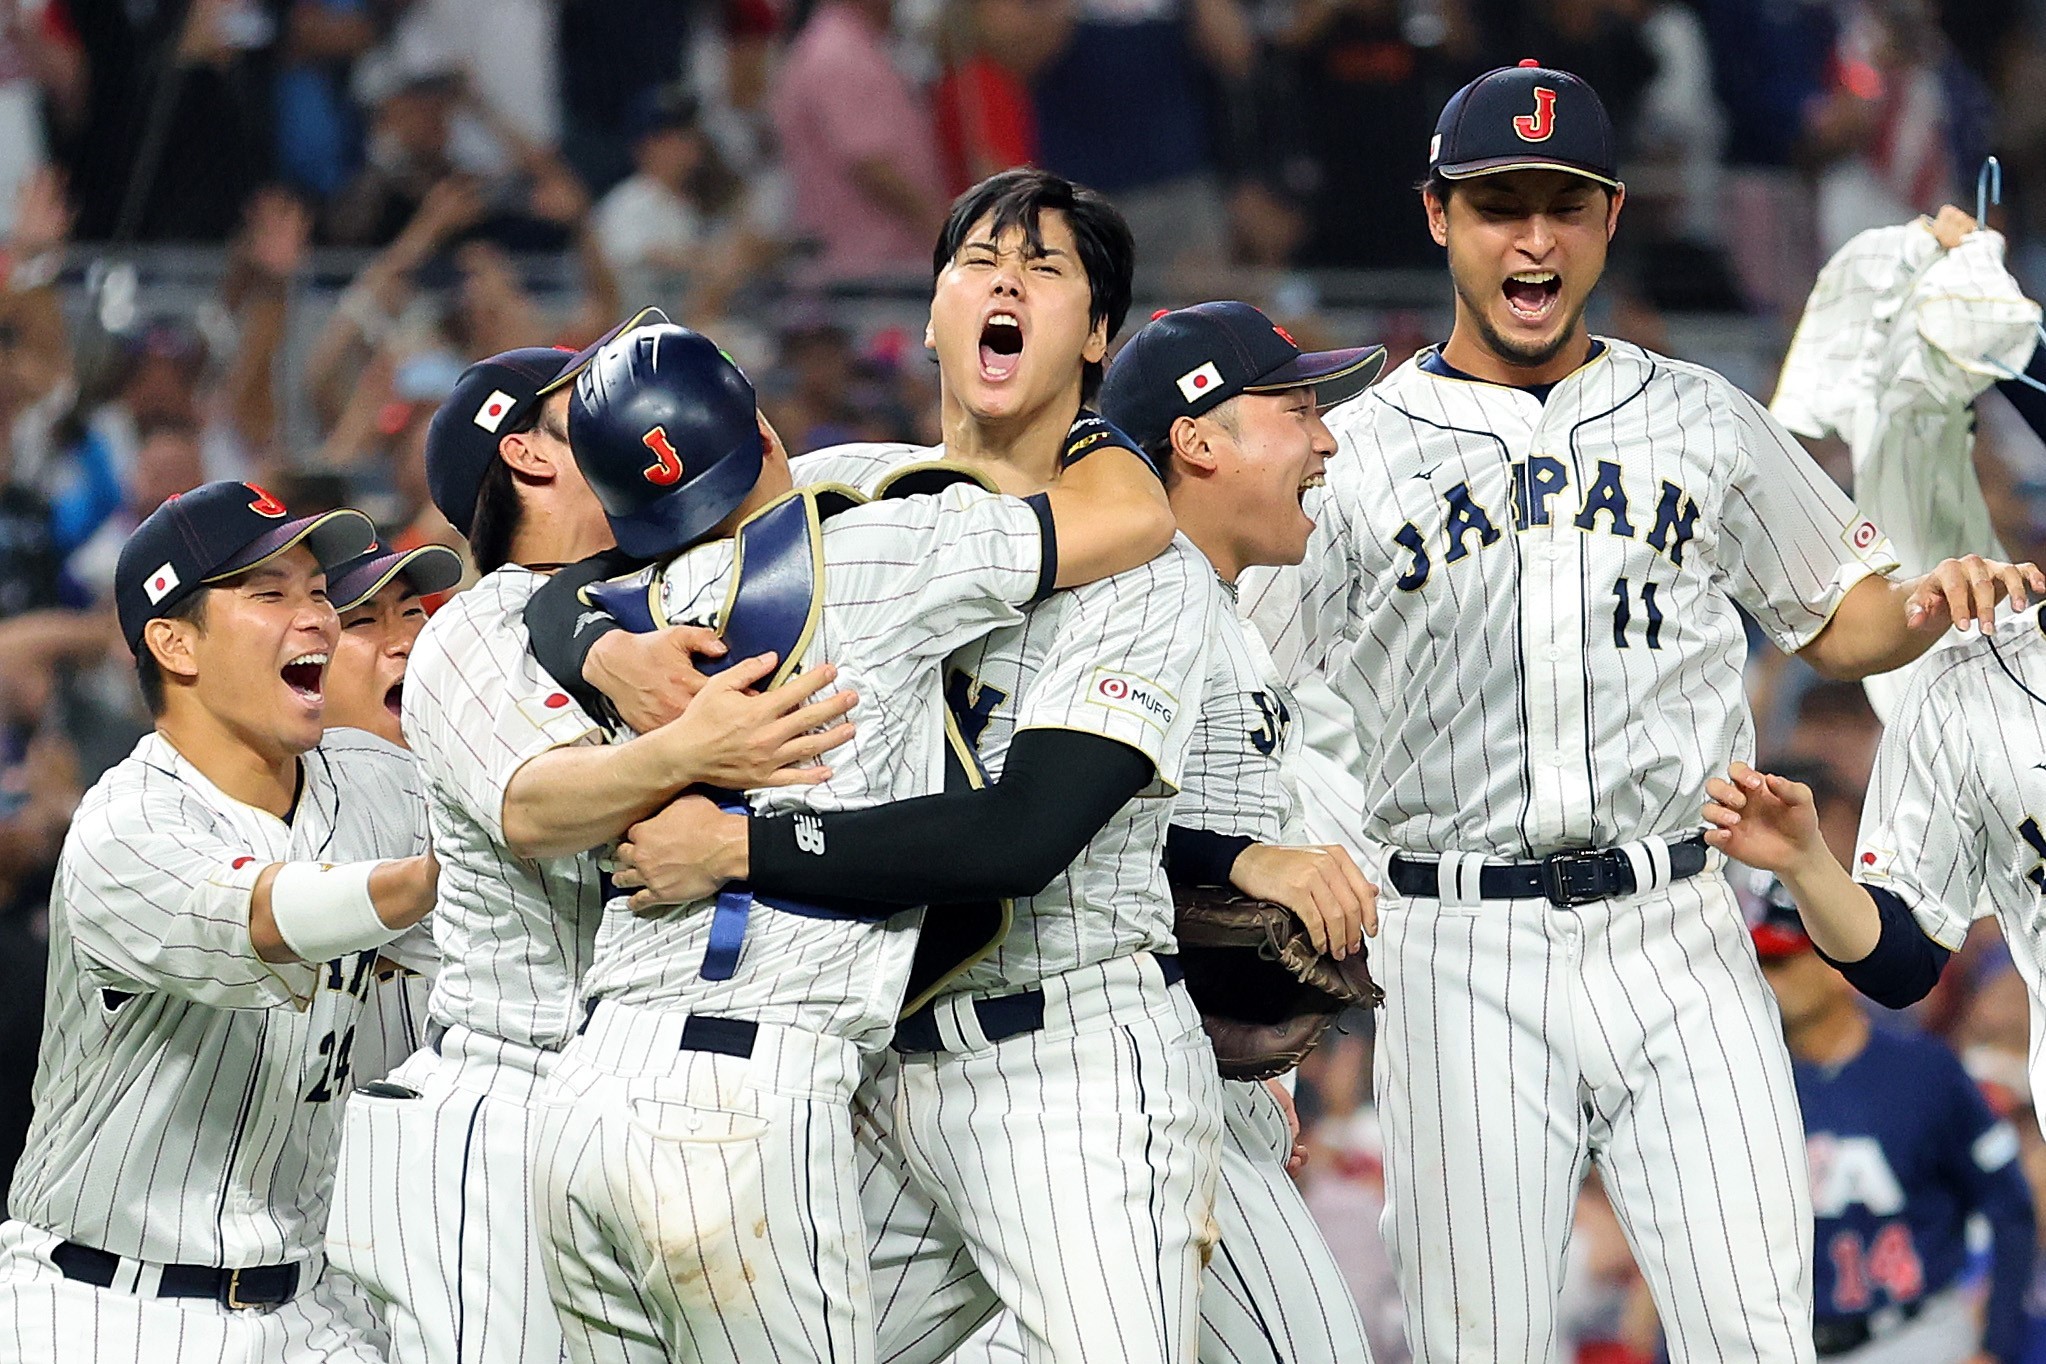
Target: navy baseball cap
{"x":493,"y":398}
{"x":212,"y":533}
{"x":1186,"y":361}
{"x":1525,"y":117}
{"x":1779,"y":932}
{"x":427,"y":569}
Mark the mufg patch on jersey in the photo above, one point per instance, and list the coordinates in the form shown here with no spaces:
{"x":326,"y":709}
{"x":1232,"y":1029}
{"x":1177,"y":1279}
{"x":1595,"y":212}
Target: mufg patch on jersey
{"x":1668,"y":514}
{"x":1865,"y":539}
{"x":1138,"y":695}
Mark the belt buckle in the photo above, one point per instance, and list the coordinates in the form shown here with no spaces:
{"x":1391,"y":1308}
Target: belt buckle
{"x":232,"y":1296}
{"x":1576,"y":876}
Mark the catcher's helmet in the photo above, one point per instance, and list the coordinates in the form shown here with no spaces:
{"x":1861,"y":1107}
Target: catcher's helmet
{"x":666,"y":433}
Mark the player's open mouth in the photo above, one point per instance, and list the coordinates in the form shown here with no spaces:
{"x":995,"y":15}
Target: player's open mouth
{"x":305,"y":675}
{"x":1307,"y":483}
{"x":1001,"y":345}
{"x":394,"y":697}
{"x":1532,"y":294}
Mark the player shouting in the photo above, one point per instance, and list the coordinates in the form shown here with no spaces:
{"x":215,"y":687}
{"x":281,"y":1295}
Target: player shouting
{"x":1525,"y":581}
{"x":221,"y":898}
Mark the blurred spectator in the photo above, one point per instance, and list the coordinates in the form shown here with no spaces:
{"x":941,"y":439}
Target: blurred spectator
{"x":859,"y":144}
{"x":1679,"y":126}
{"x":650,"y":219}
{"x":41,"y":67}
{"x":986,"y":122}
{"x":407,"y":155}
{"x":1903,"y":1151}
{"x":507,"y":50}
{"x":1903,"y":119}
{"x":166,"y":461}
{"x":177,"y":122}
{"x":319,"y":133}
{"x":612,"y":57}
{"x":1771,"y":61}
{"x":1358,"y":69}
{"x":1343,"y":1183}
{"x":1838,"y":730}
{"x":1125,"y":108}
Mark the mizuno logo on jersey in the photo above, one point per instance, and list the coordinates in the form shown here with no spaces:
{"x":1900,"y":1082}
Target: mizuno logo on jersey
{"x":1138,"y":695}
{"x":810,"y":834}
{"x":1535,"y":484}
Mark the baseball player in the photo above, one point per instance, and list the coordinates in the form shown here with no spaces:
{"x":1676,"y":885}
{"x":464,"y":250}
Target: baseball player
{"x":1239,"y":457}
{"x":378,"y":597}
{"x":1949,"y":824}
{"x":694,"y":1140}
{"x":1043,"y":1133}
{"x":1903,"y":1152}
{"x":518,"y":790}
{"x":221,"y":897}
{"x":1523,"y":581}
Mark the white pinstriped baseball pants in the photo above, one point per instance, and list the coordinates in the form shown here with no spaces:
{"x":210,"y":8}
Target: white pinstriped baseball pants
{"x":422,"y":1218}
{"x":1066,"y":1174}
{"x":699,"y":1206}
{"x":46,"y":1318}
{"x":1273,"y":1293}
{"x":1519,"y":1040}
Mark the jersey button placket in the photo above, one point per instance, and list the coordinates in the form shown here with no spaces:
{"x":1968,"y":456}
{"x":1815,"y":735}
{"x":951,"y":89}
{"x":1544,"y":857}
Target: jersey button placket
{"x":1553,"y":635}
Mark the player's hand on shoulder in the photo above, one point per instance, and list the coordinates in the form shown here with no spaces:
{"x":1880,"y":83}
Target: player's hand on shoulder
{"x":680,"y":855}
{"x":1959,"y":591}
{"x":650,"y":679}
{"x":1321,"y":885}
{"x":1769,"y":822}
{"x":736,"y":739}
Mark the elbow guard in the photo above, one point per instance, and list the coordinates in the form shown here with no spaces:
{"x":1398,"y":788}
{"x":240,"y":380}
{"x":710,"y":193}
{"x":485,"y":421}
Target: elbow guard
{"x":1904,"y":965}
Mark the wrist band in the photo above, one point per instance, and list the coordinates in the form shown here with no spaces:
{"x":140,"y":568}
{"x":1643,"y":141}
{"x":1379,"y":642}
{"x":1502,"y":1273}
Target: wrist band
{"x":324,"y":911}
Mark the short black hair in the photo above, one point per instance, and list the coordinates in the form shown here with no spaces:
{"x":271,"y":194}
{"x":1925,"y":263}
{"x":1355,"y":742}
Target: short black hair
{"x":500,"y":511}
{"x":1014,"y":201}
{"x":148,"y":675}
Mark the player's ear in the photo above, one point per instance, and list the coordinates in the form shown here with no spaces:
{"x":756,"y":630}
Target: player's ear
{"x":527,"y":458}
{"x":773,"y":451}
{"x":1097,"y":342}
{"x":171,"y":643}
{"x":930,"y":336}
{"x":1437,"y":210}
{"x":1614,"y":198}
{"x":1190,"y":445}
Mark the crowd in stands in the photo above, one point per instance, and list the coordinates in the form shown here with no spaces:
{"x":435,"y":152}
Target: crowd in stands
{"x":756,"y":167}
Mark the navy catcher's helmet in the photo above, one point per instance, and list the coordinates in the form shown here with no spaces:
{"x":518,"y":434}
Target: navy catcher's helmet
{"x":666,"y":433}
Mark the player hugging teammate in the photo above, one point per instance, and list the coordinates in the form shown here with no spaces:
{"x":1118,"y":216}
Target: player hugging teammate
{"x":866,"y":1058}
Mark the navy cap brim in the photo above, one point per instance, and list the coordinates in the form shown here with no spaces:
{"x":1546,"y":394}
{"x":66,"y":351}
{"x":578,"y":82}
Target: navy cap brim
{"x":1467,"y":170}
{"x":427,"y":569}
{"x":1335,"y":375}
{"x":580,"y":361}
{"x":334,"y":537}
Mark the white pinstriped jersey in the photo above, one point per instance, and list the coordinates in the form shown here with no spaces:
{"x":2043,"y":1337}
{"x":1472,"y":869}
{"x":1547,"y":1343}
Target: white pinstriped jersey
{"x":905,"y":582}
{"x":1530,"y":606}
{"x":1246,"y":740}
{"x":1957,"y":803}
{"x":188,"y":1093}
{"x":1123,"y":658}
{"x":514,"y":933}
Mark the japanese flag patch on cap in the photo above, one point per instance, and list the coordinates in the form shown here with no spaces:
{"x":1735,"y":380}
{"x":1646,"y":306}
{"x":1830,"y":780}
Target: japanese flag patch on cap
{"x":1196,"y":382}
{"x":491,"y":413}
{"x":160,"y":584}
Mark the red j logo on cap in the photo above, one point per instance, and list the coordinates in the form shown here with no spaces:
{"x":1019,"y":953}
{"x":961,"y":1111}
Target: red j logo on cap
{"x":1537,"y":126}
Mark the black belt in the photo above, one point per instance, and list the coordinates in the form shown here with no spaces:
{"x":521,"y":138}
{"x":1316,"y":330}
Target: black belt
{"x":726,"y":1036}
{"x":1839,"y":1335}
{"x":1575,"y":877}
{"x":1002,"y":1016}
{"x":257,"y":1286}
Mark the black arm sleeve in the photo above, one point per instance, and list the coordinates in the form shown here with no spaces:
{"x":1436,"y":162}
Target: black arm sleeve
{"x":1196,"y":857}
{"x":563,"y":629}
{"x":1058,"y":787}
{"x":1904,"y":964}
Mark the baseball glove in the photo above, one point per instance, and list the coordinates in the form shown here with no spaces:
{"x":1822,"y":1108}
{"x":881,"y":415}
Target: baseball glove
{"x":1265,"y":994}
